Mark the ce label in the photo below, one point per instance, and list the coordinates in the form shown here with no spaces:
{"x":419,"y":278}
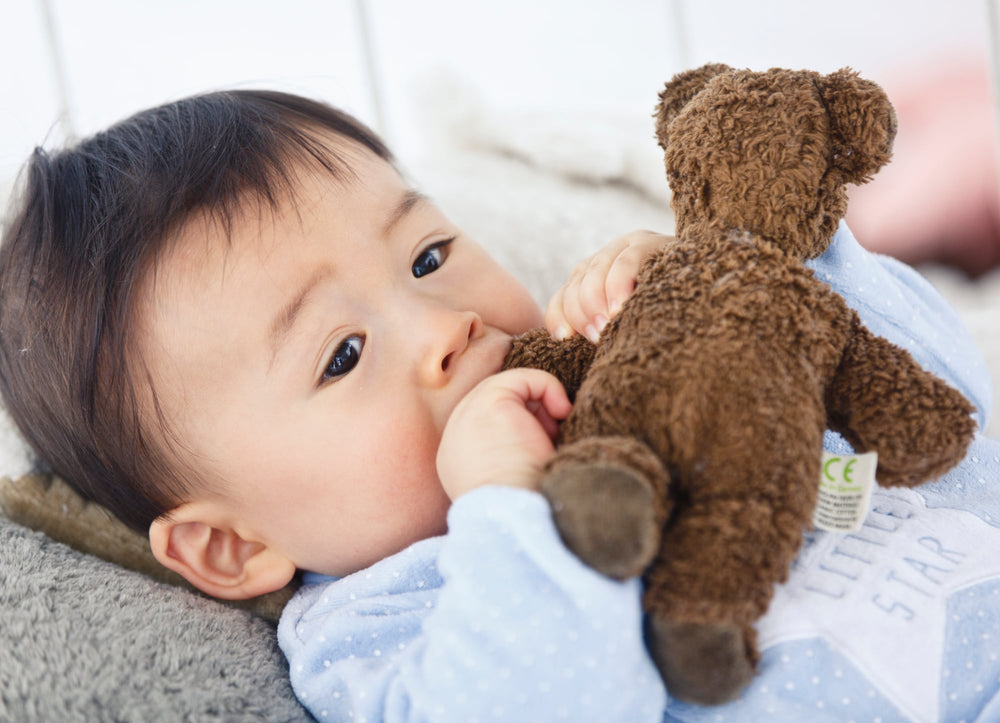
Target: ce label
{"x":846,"y":471}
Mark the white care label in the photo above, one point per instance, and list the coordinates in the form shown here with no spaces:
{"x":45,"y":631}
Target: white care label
{"x":845,"y":491}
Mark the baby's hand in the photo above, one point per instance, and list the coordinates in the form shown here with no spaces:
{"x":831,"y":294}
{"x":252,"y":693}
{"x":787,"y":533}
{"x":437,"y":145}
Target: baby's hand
{"x":598,"y":286}
{"x":502,"y":432}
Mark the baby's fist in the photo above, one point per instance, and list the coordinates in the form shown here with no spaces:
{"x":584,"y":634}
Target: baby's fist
{"x":502,"y":432}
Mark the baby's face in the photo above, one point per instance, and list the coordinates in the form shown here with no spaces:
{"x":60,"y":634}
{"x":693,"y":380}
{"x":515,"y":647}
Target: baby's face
{"x":308,"y":368}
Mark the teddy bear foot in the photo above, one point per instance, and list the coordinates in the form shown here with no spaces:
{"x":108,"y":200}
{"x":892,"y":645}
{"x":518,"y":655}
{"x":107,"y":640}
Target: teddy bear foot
{"x":606,"y":515}
{"x":701,"y":663}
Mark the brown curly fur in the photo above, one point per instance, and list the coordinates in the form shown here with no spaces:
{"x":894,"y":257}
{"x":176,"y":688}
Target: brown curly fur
{"x":730,"y":352}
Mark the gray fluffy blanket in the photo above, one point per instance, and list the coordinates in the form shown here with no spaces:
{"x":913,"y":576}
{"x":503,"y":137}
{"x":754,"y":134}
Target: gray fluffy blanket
{"x":85,"y":640}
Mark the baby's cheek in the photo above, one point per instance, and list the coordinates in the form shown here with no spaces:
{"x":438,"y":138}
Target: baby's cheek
{"x":521,"y":312}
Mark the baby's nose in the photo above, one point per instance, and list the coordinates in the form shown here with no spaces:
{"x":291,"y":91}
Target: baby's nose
{"x":449,"y":335}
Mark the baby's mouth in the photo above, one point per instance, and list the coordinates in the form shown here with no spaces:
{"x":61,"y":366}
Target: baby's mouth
{"x":491,"y":353}
{"x":508,"y":343}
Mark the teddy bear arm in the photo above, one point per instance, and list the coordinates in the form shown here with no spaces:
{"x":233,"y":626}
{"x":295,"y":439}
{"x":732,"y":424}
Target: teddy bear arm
{"x":881,"y":400}
{"x":568,"y":360}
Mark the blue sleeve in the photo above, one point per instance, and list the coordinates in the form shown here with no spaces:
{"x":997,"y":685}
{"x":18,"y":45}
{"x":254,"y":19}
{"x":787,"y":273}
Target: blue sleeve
{"x":495,"y":621}
{"x":896,"y":302}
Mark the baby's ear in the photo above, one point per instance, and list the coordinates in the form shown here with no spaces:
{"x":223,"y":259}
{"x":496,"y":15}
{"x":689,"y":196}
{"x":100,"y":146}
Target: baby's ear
{"x":200,"y":544}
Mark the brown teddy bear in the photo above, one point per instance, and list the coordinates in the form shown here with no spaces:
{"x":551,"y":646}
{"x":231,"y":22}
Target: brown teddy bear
{"x":730,"y":352}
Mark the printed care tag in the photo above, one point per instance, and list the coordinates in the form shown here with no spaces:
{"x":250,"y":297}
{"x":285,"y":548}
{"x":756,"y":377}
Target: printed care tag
{"x":845,"y":491}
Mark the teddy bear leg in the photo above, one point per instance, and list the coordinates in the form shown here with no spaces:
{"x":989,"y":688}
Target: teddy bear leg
{"x":609,"y":502}
{"x":713,"y":578}
{"x":882,"y":399}
{"x":705,"y":663}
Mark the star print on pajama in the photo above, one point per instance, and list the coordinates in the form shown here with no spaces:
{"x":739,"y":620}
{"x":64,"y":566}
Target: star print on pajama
{"x":900,"y":621}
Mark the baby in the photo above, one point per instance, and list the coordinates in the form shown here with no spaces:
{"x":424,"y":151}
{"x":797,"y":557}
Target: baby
{"x":234,"y":323}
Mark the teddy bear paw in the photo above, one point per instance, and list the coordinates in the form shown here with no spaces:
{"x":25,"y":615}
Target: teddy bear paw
{"x":701,"y":663}
{"x":606,"y":515}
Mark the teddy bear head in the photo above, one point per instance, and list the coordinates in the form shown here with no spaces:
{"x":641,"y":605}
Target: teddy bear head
{"x":772,"y":152}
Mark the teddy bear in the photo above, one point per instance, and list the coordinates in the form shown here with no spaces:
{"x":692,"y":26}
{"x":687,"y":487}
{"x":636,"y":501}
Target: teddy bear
{"x":729,"y":352}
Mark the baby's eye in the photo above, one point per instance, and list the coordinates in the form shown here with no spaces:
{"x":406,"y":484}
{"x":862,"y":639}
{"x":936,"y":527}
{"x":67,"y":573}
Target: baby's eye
{"x":431,"y":259}
{"x":345,"y":358}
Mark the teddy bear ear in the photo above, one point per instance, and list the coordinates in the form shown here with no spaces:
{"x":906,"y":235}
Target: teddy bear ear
{"x":862,"y":121}
{"x":678,"y":91}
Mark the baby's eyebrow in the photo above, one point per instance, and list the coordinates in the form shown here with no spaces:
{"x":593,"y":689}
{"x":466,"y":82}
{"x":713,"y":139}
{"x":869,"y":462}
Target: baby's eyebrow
{"x":411,"y":198}
{"x":285,"y":319}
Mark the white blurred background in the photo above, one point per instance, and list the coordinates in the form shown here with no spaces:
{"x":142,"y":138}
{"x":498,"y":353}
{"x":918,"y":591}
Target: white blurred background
{"x":74,"y":66}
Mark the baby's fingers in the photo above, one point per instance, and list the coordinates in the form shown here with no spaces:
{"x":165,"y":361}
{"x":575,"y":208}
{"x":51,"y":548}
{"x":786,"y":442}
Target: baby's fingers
{"x":619,"y":282}
{"x":579,"y":306}
{"x":599,"y":286}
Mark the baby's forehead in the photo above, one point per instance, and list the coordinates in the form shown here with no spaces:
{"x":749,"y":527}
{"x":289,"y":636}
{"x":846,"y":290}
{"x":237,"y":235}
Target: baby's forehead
{"x":293,"y":193}
{"x":219,"y":239}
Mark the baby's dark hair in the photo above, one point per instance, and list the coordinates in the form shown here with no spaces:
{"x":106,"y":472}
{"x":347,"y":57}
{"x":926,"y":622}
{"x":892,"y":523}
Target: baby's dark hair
{"x":90,"y":221}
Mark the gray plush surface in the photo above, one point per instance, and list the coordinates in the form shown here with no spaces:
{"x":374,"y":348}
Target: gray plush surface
{"x":85,"y":640}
